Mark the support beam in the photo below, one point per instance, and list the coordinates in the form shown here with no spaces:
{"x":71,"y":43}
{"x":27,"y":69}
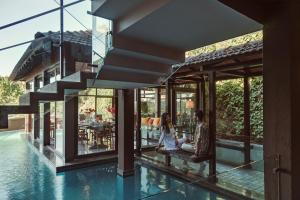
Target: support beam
{"x":212,"y":124}
{"x":247,"y":131}
{"x":36,"y":125}
{"x":168,"y":96}
{"x":173,"y":105}
{"x":198,"y":95}
{"x":70,"y":127}
{"x":46,"y":125}
{"x":222,"y":68}
{"x":252,"y":9}
{"x":138,"y":123}
{"x":158,"y":102}
{"x":125,"y":134}
{"x":281,"y":101}
{"x":203,"y":98}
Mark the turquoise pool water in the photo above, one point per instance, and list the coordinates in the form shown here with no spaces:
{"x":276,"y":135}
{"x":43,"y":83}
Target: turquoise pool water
{"x":23,"y":175}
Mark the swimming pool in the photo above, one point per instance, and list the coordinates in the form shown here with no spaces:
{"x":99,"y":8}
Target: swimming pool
{"x":23,"y":175}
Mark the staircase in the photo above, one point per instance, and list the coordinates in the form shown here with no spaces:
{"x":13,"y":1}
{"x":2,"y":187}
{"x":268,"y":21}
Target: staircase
{"x":29,"y":102}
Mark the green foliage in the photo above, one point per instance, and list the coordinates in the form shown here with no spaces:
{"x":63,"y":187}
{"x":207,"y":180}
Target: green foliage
{"x":10,"y":91}
{"x":230,"y":106}
{"x":256,"y":106}
{"x":227,"y":43}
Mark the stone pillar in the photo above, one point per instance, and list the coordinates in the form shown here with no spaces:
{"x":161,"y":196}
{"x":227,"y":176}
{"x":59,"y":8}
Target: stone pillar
{"x":281,"y":100}
{"x":125,"y":132}
{"x":70,"y":127}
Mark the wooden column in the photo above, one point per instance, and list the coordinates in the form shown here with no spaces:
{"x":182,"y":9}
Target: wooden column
{"x":168,"y":97}
{"x":125,"y":134}
{"x":70,"y":127}
{"x":212,"y":123}
{"x":115,"y":104}
{"x":157,"y":102}
{"x":138,"y":139}
{"x":46,"y":126}
{"x":203,"y":97}
{"x":247,"y":131}
{"x":69,"y":59}
{"x":198,"y":96}
{"x":36,"y":125}
{"x":173,"y":105}
{"x":281,"y":100}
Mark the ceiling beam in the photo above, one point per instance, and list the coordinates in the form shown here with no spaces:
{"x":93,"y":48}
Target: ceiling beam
{"x":226,"y":67}
{"x":137,"y":13}
{"x":250,"y":8}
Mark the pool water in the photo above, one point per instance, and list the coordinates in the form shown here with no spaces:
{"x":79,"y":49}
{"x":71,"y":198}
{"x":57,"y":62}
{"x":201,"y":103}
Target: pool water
{"x":23,"y":175}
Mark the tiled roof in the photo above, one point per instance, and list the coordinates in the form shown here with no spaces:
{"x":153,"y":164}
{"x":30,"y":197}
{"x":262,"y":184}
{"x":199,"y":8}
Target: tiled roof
{"x":248,"y":47}
{"x":76,"y":37}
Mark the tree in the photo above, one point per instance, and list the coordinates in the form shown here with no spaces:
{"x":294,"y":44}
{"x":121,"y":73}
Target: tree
{"x":10,"y":91}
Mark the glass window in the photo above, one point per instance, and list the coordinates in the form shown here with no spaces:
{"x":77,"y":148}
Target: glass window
{"x":39,"y":82}
{"x":162,"y":101}
{"x":96,"y":118}
{"x":30,"y":86}
{"x":56,"y":126}
{"x":41,"y":133}
{"x":59,"y":127}
{"x":89,"y":91}
{"x":105,"y":92}
{"x":148,"y":103}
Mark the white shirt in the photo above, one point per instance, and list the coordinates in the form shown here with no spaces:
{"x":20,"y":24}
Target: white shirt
{"x":168,"y":139}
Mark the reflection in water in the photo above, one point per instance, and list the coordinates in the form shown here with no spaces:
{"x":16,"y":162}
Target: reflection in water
{"x":24,"y":176}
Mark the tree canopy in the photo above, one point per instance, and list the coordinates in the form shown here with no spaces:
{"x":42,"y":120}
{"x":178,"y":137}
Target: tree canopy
{"x":10,"y":91}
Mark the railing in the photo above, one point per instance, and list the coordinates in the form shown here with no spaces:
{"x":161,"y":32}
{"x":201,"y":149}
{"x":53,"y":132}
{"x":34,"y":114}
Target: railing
{"x":102,"y":42}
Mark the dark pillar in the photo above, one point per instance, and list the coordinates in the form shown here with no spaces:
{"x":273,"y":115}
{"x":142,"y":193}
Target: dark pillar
{"x":46,"y":124}
{"x":157,"y":102}
{"x":115,"y":103}
{"x":281,"y":100}
{"x":212,"y":123}
{"x":125,"y":134}
{"x":247,"y":130}
{"x":173,"y":105}
{"x":36,"y":124}
{"x":202,"y":96}
{"x":70,"y":127}
{"x":138,"y":123}
{"x":62,"y":66}
{"x":69,"y":66}
{"x":198,"y":96}
{"x":168,"y":96}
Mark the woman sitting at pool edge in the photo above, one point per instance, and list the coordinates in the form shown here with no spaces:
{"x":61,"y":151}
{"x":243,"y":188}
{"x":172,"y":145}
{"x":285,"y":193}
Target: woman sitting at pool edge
{"x":168,"y":137}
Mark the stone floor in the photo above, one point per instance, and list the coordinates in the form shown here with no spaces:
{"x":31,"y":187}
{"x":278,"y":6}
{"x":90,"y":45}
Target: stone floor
{"x":243,"y":180}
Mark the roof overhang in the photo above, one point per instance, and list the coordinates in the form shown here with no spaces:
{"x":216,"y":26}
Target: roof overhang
{"x":182,"y":25}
